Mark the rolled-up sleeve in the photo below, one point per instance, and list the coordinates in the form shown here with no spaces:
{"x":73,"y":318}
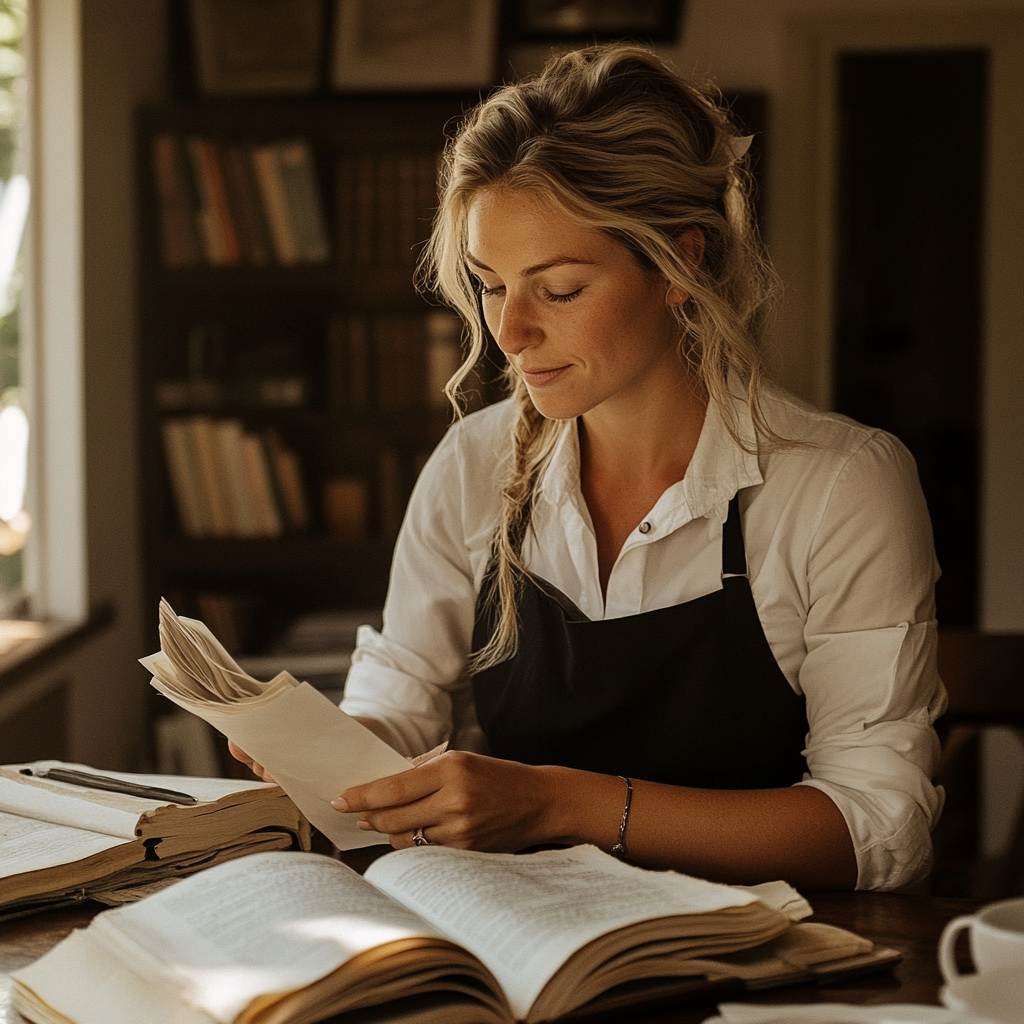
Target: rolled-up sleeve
{"x":870,"y":678}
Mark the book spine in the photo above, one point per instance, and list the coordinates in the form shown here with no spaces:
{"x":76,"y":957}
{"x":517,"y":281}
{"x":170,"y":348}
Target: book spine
{"x":406,"y":230}
{"x":443,"y":355}
{"x":360,"y":363}
{"x":186,"y":481}
{"x":268,"y":518}
{"x":345,"y":507}
{"x":363,"y":242}
{"x":178,"y":244}
{"x":229,"y":436}
{"x":206,"y":218}
{"x":246,"y":207}
{"x":288,"y":475}
{"x":386,"y":207}
{"x":346,"y":207}
{"x":216,"y":187}
{"x":303,"y":196}
{"x":204,"y":438}
{"x":389,"y":493}
{"x":275,"y":204}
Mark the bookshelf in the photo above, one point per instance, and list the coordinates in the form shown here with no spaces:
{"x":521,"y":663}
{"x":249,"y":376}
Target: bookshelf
{"x":334,"y":358}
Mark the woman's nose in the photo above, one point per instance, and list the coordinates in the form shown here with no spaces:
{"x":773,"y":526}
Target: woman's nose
{"x":516,"y":329}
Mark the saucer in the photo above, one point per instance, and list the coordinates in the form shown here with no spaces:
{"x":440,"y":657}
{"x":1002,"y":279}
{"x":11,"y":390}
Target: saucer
{"x":997,"y":995}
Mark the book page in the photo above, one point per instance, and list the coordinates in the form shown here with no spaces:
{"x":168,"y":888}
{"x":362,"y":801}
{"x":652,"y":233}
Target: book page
{"x":524,"y":915}
{"x":30,"y":845}
{"x":314,"y":751}
{"x":308,"y":744}
{"x":114,"y":814}
{"x":269,"y":923}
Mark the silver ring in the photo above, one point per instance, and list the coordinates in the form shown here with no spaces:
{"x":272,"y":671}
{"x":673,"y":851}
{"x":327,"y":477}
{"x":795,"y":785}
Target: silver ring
{"x":419,"y":839}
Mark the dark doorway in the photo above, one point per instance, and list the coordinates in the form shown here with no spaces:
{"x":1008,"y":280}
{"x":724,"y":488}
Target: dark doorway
{"x":908,"y":287}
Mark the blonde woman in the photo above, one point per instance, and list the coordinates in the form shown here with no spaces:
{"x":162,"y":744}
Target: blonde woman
{"x":655,"y":603}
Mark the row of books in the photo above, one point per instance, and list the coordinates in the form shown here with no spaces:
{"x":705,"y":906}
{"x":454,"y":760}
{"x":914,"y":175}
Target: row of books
{"x":386,"y":201}
{"x":392,"y":362}
{"x":227,"y":205}
{"x":229,"y":482}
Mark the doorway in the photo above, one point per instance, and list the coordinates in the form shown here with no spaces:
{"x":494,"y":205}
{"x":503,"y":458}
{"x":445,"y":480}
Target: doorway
{"x":907,"y":280}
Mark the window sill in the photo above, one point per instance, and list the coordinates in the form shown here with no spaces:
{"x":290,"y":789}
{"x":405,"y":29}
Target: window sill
{"x":27,"y":645}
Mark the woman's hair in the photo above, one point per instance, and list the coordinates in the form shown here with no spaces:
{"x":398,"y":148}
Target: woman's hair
{"x":614,"y":138}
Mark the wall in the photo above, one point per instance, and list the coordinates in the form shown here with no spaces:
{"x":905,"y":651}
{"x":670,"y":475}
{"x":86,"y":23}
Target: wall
{"x":100,"y":59}
{"x":786,"y":48}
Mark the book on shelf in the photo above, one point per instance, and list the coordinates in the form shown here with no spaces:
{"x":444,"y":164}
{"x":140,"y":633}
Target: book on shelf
{"x":180,"y":246}
{"x":246,"y":205}
{"x":307,"y":743}
{"x":216,"y":221}
{"x":230,"y":482}
{"x":428,"y":934}
{"x":226,"y":204}
{"x":386,"y":200}
{"x":62,"y":843}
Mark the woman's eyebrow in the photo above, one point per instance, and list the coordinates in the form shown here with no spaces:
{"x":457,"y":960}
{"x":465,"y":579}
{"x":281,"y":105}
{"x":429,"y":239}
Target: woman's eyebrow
{"x":557,"y":261}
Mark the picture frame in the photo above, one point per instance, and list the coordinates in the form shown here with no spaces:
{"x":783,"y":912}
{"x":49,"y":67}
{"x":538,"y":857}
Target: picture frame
{"x":589,"y":21}
{"x":387,"y":45}
{"x":257,"y":47}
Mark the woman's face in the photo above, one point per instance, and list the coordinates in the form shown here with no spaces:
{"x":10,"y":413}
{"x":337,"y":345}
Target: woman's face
{"x":580,"y":321}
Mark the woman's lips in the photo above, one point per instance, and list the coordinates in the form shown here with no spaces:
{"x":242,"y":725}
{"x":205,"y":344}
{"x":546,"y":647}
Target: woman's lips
{"x":541,"y":378}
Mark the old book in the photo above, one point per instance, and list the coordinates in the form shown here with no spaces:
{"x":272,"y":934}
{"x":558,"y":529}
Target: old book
{"x":429,"y":934}
{"x":295,"y":162}
{"x":186,"y":479}
{"x":179,"y":246}
{"x":267,"y":167}
{"x":246,"y":207}
{"x":307,"y":743}
{"x":62,"y":843}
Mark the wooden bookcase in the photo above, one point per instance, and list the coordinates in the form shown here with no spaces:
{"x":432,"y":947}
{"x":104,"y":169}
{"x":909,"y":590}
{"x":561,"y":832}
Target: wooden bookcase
{"x":292,"y":314}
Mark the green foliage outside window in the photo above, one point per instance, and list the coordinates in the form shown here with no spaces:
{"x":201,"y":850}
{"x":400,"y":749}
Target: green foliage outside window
{"x":12,"y":117}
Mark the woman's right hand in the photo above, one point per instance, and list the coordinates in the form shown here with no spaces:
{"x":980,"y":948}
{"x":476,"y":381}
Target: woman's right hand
{"x":254,"y":766}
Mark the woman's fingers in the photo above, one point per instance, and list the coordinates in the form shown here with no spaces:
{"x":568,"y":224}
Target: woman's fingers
{"x":393,"y":791}
{"x":254,"y":766}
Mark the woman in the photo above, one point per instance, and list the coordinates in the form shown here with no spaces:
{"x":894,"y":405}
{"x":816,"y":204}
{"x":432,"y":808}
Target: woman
{"x":657,"y":604}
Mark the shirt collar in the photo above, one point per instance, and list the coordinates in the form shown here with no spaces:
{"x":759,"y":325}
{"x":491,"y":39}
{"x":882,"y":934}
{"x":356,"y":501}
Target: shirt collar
{"x":719,"y":468}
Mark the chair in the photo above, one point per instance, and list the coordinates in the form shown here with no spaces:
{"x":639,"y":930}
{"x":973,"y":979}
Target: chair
{"x":984,"y":674}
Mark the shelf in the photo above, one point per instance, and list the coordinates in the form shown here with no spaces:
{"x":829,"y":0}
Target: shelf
{"x":349,"y":286}
{"x":300,"y":553}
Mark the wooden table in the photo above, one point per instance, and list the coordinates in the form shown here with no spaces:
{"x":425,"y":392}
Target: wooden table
{"x":911,"y":924}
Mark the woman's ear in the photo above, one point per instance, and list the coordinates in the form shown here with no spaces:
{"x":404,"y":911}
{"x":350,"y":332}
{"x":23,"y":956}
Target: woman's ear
{"x":691,"y":244}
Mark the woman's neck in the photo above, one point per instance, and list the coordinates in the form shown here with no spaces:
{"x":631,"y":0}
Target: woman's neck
{"x":629,"y":456}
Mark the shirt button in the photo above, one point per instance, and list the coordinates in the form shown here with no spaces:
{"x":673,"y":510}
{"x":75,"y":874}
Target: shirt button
{"x":645,"y":527}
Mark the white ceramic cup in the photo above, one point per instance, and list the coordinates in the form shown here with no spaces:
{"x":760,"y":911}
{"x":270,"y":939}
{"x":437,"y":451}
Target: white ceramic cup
{"x":996,"y":936}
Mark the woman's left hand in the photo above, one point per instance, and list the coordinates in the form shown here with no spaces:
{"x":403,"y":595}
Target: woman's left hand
{"x":459,"y":799}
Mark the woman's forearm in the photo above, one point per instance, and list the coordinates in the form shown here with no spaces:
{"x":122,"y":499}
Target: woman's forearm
{"x":739,"y":836}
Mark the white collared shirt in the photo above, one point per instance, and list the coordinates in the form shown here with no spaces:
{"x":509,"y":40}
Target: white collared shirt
{"x":841,"y":565}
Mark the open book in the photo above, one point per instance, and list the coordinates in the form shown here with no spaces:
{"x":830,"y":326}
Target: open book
{"x":309,"y":745}
{"x":429,"y":934}
{"x":63,"y":843}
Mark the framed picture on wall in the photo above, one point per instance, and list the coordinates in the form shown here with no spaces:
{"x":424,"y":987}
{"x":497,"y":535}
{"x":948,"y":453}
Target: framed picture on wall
{"x":413,"y":44}
{"x":257,"y":47}
{"x":582,"y":21}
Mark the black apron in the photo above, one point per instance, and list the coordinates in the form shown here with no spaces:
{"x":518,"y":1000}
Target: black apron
{"x":689,"y":695}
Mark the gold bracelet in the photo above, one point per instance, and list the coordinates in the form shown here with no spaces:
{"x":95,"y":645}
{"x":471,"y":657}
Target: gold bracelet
{"x":619,"y":849}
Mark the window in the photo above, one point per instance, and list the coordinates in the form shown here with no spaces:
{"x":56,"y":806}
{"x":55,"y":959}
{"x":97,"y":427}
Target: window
{"x":14,"y":200}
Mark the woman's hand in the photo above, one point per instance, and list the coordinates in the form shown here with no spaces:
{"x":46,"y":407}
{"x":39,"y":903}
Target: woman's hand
{"x":459,"y":799}
{"x":254,"y":766}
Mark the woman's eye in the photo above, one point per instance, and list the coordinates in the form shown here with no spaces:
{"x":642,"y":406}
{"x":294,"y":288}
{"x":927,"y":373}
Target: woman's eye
{"x":484,"y":291}
{"x":563,"y":296}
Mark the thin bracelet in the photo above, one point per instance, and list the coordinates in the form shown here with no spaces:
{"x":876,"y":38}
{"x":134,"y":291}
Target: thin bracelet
{"x":619,"y":849}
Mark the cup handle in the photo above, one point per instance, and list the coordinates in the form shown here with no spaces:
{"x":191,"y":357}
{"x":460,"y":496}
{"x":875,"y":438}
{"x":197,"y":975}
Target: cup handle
{"x":947,"y":959}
